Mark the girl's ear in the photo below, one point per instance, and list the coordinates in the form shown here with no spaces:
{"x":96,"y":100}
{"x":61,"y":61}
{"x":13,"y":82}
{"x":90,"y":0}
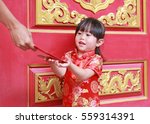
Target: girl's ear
{"x":99,"y":42}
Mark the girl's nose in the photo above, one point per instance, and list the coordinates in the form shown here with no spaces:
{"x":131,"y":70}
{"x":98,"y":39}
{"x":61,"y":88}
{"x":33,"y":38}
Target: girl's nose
{"x":83,"y":36}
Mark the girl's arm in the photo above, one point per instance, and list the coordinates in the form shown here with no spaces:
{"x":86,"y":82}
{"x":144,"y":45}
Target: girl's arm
{"x":59,"y":71}
{"x":81,"y":74}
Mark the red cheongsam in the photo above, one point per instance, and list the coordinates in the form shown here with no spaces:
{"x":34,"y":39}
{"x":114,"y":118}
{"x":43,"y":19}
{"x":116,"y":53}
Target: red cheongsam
{"x":85,"y":93}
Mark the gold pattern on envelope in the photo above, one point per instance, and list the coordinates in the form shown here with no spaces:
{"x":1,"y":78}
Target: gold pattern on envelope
{"x":94,"y":5}
{"x":47,"y":89}
{"x":115,"y":82}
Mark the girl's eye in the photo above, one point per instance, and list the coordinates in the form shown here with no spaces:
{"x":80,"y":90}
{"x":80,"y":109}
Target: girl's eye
{"x":88,"y":34}
{"x":79,"y":33}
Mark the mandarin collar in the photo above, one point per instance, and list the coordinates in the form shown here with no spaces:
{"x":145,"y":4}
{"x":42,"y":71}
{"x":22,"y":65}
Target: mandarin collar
{"x":84,"y":55}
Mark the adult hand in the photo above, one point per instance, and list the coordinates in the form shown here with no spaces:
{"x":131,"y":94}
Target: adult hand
{"x":19,"y":33}
{"x":22,"y":37}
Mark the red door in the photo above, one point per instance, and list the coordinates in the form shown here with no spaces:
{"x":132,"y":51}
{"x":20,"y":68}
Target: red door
{"x":26,"y":80}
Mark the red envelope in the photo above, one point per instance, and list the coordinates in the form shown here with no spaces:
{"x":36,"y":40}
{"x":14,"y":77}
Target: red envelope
{"x":47,"y":55}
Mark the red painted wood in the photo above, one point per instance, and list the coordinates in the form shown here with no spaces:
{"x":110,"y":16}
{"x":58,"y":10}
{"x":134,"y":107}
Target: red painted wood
{"x":14,"y":62}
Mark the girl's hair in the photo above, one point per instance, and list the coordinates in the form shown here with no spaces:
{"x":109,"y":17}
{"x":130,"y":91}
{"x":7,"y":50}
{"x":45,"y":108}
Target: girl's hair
{"x":93,"y":26}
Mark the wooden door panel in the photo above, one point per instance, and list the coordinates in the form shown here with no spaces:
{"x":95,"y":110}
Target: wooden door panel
{"x":119,"y":82}
{"x":28,"y":81}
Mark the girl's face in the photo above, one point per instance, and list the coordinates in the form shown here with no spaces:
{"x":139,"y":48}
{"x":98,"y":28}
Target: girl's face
{"x":85,"y":41}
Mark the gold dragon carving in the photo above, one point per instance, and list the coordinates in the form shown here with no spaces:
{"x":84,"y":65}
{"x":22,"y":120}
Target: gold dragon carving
{"x":54,"y":12}
{"x":119,"y":83}
{"x":48,"y":90}
{"x":110,"y":82}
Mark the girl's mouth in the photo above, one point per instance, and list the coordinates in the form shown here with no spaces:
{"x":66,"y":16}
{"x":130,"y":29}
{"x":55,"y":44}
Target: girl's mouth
{"x":82,"y":43}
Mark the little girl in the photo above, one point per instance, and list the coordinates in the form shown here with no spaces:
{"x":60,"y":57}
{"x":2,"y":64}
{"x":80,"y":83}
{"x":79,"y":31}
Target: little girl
{"x":83,"y":66}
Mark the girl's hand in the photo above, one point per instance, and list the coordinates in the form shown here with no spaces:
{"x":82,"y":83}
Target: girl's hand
{"x":57,"y":63}
{"x":51,"y":61}
{"x":67,"y":60}
{"x":66,"y":64}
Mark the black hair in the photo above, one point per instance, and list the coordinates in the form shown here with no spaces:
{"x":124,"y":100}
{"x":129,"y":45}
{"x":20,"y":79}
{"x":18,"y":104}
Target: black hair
{"x":94,"y":26}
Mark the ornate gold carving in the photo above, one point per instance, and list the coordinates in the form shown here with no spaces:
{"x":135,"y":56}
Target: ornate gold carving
{"x":47,"y":90}
{"x":55,"y":11}
{"x":51,"y":12}
{"x":94,"y":5}
{"x":113,"y":82}
{"x":125,"y":16}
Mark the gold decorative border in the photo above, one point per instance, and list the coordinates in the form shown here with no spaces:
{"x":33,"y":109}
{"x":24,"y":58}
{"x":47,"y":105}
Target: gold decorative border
{"x":134,"y":98}
{"x":41,"y":85}
{"x":107,"y":32}
{"x":119,"y":100}
{"x":55,"y":10}
{"x":43,"y":88}
{"x":120,"y":81}
{"x":113,"y":100}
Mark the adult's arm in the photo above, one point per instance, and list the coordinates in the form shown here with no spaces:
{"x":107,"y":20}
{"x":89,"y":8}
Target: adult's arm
{"x":19,"y":33}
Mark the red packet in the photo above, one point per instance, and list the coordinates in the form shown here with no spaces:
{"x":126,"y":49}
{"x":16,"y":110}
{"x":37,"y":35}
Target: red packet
{"x":47,"y":55}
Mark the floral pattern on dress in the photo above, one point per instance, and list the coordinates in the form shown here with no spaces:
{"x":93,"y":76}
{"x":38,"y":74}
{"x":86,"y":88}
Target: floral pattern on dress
{"x":83,"y":102}
{"x":94,"y":86}
{"x":85,"y":93}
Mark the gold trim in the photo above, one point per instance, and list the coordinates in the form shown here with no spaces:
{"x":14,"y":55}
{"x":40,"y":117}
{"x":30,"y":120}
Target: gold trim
{"x":107,"y":32}
{"x":129,"y":69}
{"x":111,"y":100}
{"x":36,"y":89}
{"x":145,"y":79}
{"x":28,"y":93}
{"x":135,"y":98}
{"x":52,"y":31}
{"x":144,"y":16}
{"x":125,"y":62}
{"x":119,"y":100}
{"x":119,"y":81}
{"x":38,"y":65}
{"x":28,"y":14}
{"x":55,"y":10}
{"x":73,"y":31}
{"x":44,"y":90}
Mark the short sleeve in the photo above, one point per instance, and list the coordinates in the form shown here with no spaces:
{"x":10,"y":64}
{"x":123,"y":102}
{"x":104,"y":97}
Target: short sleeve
{"x":96,"y":64}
